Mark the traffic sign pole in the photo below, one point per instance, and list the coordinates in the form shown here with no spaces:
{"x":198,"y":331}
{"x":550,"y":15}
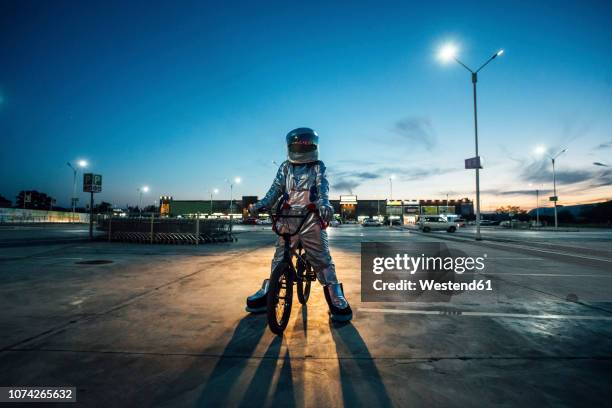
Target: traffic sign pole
{"x":91,"y":216}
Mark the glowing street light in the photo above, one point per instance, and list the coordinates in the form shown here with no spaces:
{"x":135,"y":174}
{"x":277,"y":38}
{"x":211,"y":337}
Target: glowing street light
{"x":541,"y":150}
{"x":237,"y":180}
{"x":80,"y":164}
{"x":448,"y":53}
{"x":143,"y":189}
{"x":211,"y":192}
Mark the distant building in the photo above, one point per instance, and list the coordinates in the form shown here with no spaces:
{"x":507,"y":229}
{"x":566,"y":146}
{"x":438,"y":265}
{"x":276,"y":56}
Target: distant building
{"x":348,"y":207}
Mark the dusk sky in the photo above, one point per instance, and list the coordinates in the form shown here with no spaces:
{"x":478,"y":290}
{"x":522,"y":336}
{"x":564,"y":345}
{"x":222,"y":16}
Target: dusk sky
{"x":180,"y":96}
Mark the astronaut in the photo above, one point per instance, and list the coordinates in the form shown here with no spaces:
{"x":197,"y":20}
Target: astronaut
{"x":301,"y":180}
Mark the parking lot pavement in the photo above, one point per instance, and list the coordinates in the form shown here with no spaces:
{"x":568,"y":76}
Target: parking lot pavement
{"x":165,"y":326}
{"x":42,"y":233}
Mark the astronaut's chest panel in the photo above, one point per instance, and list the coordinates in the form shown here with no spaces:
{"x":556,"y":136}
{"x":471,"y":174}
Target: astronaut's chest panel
{"x":301,"y":182}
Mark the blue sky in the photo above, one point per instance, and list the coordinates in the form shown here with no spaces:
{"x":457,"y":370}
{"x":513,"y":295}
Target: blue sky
{"x":181,"y":96}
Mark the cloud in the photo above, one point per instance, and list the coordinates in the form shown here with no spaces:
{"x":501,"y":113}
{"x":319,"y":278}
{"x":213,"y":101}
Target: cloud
{"x":517,"y":192}
{"x":602,"y":179}
{"x":415,"y":173}
{"x":541,"y":171}
{"x":417,"y":130}
{"x":348,"y":180}
{"x":345,"y":185}
{"x":605,"y":145}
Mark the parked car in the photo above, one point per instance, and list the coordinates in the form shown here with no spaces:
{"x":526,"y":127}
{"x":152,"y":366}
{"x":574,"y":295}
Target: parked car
{"x":371,"y":222}
{"x":436,"y":223}
{"x":394,"y":221}
{"x":460,"y":222}
{"x":264,"y":221}
{"x":250,"y":221}
{"x":334,"y":223}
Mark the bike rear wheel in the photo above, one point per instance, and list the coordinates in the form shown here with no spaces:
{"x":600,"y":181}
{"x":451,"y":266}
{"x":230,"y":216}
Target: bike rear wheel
{"x":304,"y":270}
{"x":280,"y":298}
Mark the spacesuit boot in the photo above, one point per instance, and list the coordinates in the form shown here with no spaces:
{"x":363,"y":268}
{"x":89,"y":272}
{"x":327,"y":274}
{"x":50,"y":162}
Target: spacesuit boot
{"x":256,"y":303}
{"x":339,"y":308}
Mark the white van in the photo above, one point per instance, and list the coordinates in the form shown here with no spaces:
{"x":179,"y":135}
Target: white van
{"x":429,"y":223}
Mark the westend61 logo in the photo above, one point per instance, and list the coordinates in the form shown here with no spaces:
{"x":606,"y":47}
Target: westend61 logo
{"x":427,"y":271}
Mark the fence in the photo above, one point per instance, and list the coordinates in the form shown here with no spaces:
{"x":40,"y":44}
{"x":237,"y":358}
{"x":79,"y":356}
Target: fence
{"x":154,"y":230}
{"x":21,"y":215}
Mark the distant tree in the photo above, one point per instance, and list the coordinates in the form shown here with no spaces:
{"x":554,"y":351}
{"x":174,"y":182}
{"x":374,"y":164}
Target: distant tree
{"x":34,"y":200}
{"x":5,"y":203}
{"x":103,"y":207}
{"x":149,"y":209}
{"x":513,"y":211}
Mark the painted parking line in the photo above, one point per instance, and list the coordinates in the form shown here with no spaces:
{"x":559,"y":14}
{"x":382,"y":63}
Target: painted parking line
{"x":554,"y":275}
{"x":483,"y":314}
{"x":547,"y":251}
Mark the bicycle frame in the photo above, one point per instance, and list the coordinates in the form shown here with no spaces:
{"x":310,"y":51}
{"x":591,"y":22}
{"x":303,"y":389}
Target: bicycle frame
{"x":288,"y":252}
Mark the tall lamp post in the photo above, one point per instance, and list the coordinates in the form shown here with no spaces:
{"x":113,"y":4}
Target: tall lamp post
{"x":449,"y":53}
{"x":144,"y":189}
{"x":231,"y":183}
{"x":211,"y":192}
{"x":537,"y":204}
{"x":553,"y":158}
{"x":80,"y":164}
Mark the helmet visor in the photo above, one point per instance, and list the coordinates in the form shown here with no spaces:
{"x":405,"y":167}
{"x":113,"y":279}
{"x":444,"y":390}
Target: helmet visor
{"x":302,"y":148}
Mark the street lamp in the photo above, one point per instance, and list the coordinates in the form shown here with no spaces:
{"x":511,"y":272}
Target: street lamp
{"x":211,"y":192}
{"x":553,"y":158}
{"x":391,"y":178}
{"x":537,"y":204}
{"x":81,"y":164}
{"x":236,"y":180}
{"x":449,"y":53}
{"x":143,"y":189}
{"x":600,"y":164}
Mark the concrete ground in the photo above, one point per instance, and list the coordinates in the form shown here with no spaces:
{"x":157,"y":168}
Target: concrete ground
{"x":165,"y":326}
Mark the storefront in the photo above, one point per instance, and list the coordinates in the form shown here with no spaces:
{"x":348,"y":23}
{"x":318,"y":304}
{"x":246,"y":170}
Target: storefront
{"x":348,"y":207}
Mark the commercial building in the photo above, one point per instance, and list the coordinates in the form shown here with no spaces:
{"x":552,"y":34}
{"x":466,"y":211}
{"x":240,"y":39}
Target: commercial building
{"x":347,"y":207}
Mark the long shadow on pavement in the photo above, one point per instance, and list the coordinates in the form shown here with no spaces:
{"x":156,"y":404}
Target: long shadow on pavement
{"x":360,"y":380}
{"x":257,"y":393}
{"x":226,"y":373}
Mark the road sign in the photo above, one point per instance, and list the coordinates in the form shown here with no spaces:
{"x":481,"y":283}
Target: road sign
{"x":553,"y":198}
{"x":473,"y":163}
{"x":92,"y":183}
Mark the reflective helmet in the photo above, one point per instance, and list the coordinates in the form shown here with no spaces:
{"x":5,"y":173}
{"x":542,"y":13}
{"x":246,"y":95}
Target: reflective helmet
{"x":302,"y":146}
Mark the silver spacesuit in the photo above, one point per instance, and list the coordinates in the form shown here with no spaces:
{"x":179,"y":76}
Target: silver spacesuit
{"x":301,"y":181}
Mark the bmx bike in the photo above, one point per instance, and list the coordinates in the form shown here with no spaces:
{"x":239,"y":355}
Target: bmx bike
{"x":293,"y":268}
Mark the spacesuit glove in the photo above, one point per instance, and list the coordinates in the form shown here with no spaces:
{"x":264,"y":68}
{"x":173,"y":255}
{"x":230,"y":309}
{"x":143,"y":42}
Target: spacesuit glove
{"x":326,"y":212}
{"x":253,"y":210}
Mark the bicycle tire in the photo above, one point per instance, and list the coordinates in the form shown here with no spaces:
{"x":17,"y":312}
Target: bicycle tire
{"x":303,"y":290}
{"x":280,"y":276}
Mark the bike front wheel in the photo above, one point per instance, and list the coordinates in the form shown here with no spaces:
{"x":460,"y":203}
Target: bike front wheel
{"x":280,"y":297}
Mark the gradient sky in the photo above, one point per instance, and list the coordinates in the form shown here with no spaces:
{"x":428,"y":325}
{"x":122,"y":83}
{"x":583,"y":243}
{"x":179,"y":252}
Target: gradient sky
{"x":180,"y":96}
